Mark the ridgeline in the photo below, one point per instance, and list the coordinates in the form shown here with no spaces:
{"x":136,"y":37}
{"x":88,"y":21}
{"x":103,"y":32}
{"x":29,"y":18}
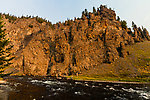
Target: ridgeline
{"x":95,"y":45}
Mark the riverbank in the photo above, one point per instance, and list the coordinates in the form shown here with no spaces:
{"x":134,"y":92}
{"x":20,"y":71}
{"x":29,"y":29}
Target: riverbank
{"x":111,"y":79}
{"x":127,"y":80}
{"x":135,"y":68}
{"x":2,"y":81}
{"x":49,"y":88}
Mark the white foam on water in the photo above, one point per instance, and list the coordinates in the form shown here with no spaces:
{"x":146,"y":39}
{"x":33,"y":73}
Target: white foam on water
{"x":145,"y":97}
{"x":36,"y":81}
{"x":16,"y":84}
{"x":48,"y":86}
{"x":120,"y":98}
{"x":29,"y":78}
{"x":59,"y":89}
{"x":143,"y":94}
{"x":111,"y":88}
{"x":50,"y":82}
{"x":99,"y":84}
{"x":79,"y":93}
{"x":107,"y":86}
{"x":138,"y":88}
{"x":146,"y":87}
{"x":54,"y":82}
{"x":116,"y":85}
{"x":78,"y":83}
{"x":86,"y":82}
{"x":53,"y":89}
{"x":128,"y":90}
{"x":55,"y":94}
{"x":93,"y":86}
{"x":20,"y":77}
{"x":86,"y":85}
{"x":6,"y":87}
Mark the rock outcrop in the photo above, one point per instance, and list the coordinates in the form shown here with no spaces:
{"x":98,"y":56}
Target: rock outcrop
{"x":70,"y":47}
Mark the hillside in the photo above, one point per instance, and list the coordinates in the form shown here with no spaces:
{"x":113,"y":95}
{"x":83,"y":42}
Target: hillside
{"x":134,"y":67}
{"x":97,"y":42}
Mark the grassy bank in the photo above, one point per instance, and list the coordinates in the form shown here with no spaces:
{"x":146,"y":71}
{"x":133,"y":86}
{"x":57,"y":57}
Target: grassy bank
{"x":110,"y":79}
{"x":134,"y":68}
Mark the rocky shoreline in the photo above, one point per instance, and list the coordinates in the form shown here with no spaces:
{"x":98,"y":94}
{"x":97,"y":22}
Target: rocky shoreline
{"x":3,"y":81}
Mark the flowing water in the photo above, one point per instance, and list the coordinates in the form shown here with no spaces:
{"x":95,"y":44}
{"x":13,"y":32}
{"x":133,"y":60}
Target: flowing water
{"x":31,"y":88}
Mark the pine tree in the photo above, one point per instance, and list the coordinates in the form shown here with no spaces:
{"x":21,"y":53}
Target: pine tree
{"x":83,"y":13}
{"x":86,"y":13}
{"x":94,"y":10}
{"x":118,"y":18}
{"x":4,"y":49}
{"x":124,"y":24}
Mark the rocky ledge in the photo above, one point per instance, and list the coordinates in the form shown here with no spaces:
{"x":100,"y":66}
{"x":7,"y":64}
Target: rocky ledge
{"x":71,"y":47}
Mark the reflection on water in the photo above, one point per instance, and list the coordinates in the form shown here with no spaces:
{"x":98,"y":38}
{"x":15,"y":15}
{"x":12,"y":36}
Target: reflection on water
{"x":30,"y":88}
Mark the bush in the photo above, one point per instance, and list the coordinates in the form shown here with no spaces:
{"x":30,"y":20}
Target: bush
{"x":118,"y":18}
{"x":4,"y":49}
{"x":10,"y":18}
{"x":40,"y":20}
{"x":31,"y":26}
{"x":94,"y":10}
{"x":124,"y":24}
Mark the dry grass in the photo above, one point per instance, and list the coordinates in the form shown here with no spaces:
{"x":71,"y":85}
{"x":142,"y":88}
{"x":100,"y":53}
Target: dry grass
{"x":135,"y":67}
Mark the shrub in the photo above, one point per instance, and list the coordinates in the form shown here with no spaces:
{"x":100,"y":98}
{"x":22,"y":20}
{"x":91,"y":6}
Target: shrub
{"x":40,"y":20}
{"x":10,"y":18}
{"x":31,"y":26}
{"x":124,"y":24}
{"x":94,"y":10}
{"x":4,"y":49}
{"x":118,"y":18}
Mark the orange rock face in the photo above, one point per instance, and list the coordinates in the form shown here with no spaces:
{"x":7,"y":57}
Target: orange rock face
{"x":70,"y":47}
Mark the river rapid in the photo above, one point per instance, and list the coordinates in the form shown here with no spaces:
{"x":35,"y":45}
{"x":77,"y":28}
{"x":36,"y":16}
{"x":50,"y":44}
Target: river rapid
{"x":47,"y":88}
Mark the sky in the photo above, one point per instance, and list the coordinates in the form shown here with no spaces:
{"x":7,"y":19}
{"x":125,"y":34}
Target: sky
{"x":61,"y":10}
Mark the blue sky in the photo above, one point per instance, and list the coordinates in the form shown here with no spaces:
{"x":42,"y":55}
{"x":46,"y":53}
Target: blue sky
{"x":60,"y":10}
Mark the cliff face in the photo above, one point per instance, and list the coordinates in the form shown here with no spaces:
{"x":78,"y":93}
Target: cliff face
{"x":70,"y":47}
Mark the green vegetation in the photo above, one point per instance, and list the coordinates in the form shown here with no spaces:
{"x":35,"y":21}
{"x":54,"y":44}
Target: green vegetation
{"x":118,"y":18}
{"x":141,"y":58}
{"x":40,"y":20}
{"x":124,"y":24}
{"x":95,"y":77}
{"x":94,"y":10}
{"x":10,"y":18}
{"x":31,"y":26}
{"x":134,"y":68}
{"x":85,"y":13}
{"x":133,"y":24}
{"x":109,"y":79}
{"x":5,"y":55}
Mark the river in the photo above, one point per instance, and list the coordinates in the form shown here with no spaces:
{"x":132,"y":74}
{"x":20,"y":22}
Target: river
{"x":46,"y":88}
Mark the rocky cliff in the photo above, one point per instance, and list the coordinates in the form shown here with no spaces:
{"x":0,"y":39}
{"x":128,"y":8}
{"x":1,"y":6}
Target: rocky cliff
{"x":70,"y":47}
